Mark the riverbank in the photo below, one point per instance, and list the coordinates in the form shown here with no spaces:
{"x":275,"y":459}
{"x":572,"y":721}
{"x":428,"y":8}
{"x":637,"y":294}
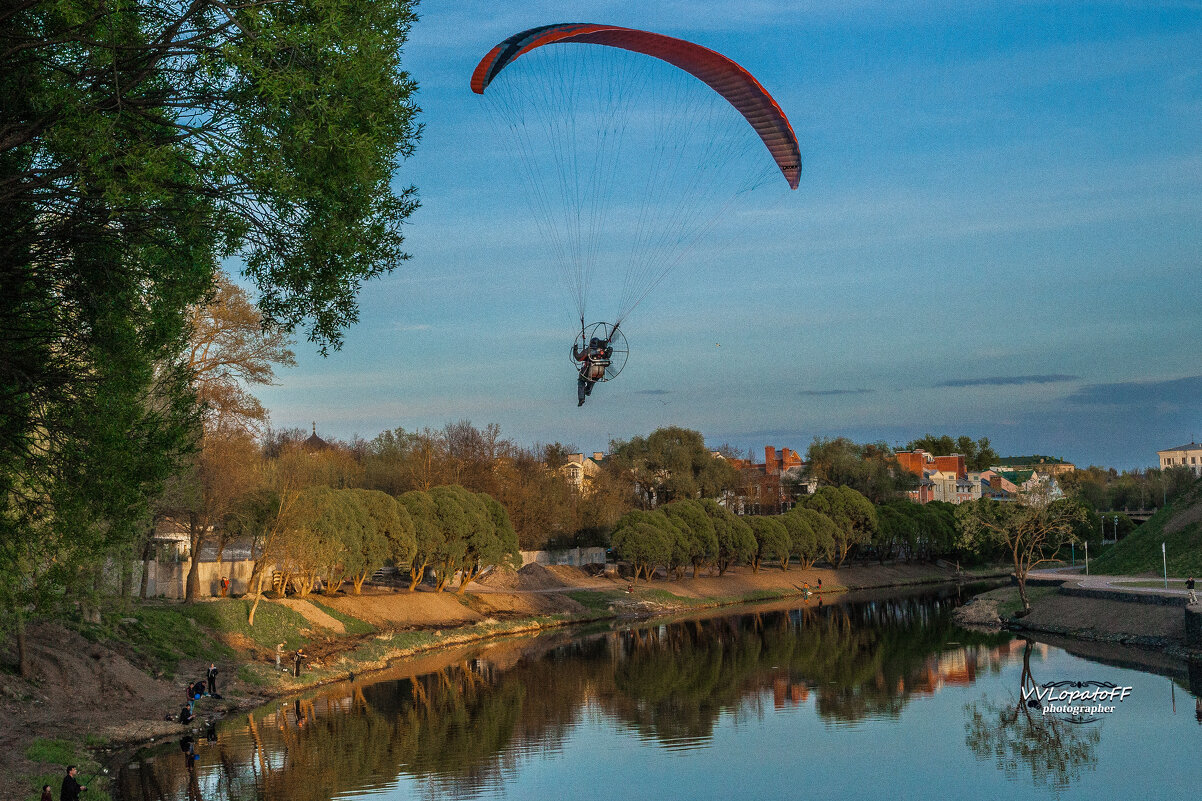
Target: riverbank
{"x":1107,"y":609}
{"x":98,"y":690}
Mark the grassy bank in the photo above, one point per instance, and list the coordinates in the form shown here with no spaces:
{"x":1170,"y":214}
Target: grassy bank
{"x":1178,"y":526}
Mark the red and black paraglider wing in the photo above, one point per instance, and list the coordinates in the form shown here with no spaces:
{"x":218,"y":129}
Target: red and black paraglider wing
{"x":717,"y":71}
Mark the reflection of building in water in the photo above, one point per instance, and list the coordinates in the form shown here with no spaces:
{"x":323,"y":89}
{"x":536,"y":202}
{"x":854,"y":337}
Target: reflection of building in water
{"x":956,"y":668}
{"x":788,"y":693}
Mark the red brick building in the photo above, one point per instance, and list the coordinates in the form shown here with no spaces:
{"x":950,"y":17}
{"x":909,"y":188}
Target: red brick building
{"x":771,"y":487}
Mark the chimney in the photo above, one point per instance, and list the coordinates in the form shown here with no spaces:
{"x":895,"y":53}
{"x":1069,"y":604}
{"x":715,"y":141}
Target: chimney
{"x":598,"y":456}
{"x":769,"y":458}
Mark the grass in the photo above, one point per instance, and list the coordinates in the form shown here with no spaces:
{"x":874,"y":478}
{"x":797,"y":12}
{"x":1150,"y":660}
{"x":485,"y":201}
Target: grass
{"x":1010,"y":602}
{"x":62,"y":753}
{"x":352,"y":624}
{"x":596,"y":600}
{"x":274,"y":623}
{"x":252,"y":675}
{"x":163,"y":635}
{"x":54,"y":752}
{"x":1139,"y":552}
{"x":166,"y":633}
{"x":1174,"y":584}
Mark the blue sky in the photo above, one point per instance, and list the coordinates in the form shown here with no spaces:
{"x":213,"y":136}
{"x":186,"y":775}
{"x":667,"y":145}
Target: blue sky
{"x":997,"y":233}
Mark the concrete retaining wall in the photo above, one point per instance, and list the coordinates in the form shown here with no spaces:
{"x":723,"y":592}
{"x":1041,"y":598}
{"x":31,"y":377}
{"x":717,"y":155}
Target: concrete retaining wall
{"x":576,"y":557}
{"x":1193,"y":627}
{"x":167,"y":579}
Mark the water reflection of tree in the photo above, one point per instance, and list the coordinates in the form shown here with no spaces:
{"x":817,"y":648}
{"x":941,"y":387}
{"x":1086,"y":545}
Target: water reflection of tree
{"x":860,"y":661}
{"x":1019,"y":737}
{"x":459,"y":729}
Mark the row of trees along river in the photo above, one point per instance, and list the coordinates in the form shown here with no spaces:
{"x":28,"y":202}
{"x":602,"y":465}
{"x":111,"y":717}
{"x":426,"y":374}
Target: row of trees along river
{"x":464,"y":726}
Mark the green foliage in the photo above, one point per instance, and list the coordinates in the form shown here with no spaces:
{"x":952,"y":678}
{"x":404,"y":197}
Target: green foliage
{"x":919,"y":531}
{"x":387,"y":533}
{"x":811,"y":534}
{"x":54,"y":752}
{"x":645,"y":540}
{"x":252,"y":676}
{"x":144,"y":143}
{"x":671,"y":464}
{"x":353,"y":625}
{"x":1030,"y":533}
{"x":1176,"y":526}
{"x":854,"y":517}
{"x":429,"y":539}
{"x":274,"y":622}
{"x":978,"y":455}
{"x":700,"y":537}
{"x":870,"y":469}
{"x":772,"y":541}
{"x":1105,"y":489}
{"x":163,"y":635}
{"x":602,"y":601}
{"x":735,"y":540}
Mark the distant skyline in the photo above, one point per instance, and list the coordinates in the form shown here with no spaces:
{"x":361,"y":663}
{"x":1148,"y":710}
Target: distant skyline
{"x":996,"y":234}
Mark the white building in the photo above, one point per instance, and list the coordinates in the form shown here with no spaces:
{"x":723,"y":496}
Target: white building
{"x":1182,"y":456}
{"x":581,"y":470}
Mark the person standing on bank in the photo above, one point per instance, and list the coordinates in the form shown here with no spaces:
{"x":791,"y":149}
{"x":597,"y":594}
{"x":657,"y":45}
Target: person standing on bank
{"x":71,"y":787}
{"x":297,"y":658}
{"x":211,"y":675}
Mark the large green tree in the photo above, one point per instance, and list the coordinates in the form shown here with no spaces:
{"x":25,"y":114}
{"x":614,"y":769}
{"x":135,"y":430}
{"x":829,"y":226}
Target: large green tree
{"x":140,"y":143}
{"x":871,"y":468}
{"x":854,"y":517}
{"x":736,"y":542}
{"x":671,"y":464}
{"x":1030,"y":532}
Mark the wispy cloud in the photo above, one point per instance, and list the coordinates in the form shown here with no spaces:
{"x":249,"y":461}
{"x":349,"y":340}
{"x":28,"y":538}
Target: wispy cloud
{"x":1009,"y":380}
{"x":825,"y":393}
{"x":653,"y":392}
{"x":411,"y":327}
{"x":1173,"y":394}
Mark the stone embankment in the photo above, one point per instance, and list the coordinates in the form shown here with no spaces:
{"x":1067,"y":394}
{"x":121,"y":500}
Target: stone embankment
{"x":1114,"y":609}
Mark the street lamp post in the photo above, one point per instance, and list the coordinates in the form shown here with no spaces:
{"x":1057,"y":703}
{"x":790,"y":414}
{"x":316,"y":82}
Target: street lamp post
{"x":1164,"y":556}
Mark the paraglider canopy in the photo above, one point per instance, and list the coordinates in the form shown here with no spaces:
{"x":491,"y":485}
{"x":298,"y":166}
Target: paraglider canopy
{"x":717,"y":71}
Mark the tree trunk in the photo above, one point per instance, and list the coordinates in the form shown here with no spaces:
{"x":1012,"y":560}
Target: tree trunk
{"x":192,"y":587}
{"x":146,"y":551}
{"x":468,"y":577}
{"x":415,"y":575}
{"x":250,"y":619}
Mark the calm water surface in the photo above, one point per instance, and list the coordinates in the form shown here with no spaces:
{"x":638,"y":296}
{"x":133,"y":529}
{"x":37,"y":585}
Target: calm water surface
{"x":883,"y":698}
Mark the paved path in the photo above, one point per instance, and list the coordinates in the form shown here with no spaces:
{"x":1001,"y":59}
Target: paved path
{"x":1123,"y":583}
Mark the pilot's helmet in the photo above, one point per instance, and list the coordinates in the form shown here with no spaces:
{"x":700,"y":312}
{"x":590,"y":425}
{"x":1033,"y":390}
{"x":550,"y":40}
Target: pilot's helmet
{"x":594,"y":343}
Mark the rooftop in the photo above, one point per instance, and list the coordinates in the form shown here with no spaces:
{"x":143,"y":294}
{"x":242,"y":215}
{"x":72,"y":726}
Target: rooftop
{"x":1193,"y":446}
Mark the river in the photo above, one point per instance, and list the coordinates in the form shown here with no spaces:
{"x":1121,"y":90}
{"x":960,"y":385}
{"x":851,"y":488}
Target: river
{"x":868,"y":697}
